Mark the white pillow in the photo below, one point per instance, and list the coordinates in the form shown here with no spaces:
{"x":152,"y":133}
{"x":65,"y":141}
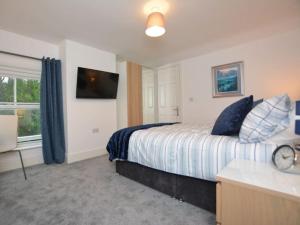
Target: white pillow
{"x":266,"y":119}
{"x":288,"y":135}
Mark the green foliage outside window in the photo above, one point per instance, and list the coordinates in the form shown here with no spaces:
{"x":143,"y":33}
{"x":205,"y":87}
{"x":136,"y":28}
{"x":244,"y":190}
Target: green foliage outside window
{"x":28,"y":92}
{"x":29,"y":122}
{"x":6,"y":89}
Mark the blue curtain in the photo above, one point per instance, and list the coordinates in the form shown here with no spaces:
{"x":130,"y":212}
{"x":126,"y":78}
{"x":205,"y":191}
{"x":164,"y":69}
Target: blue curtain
{"x":52,"y":121}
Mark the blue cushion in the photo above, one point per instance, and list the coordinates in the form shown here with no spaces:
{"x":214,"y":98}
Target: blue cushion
{"x":298,"y":108}
{"x":230,"y":120}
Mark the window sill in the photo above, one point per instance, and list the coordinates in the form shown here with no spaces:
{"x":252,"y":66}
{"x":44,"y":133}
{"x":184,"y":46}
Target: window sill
{"x":29,"y":145}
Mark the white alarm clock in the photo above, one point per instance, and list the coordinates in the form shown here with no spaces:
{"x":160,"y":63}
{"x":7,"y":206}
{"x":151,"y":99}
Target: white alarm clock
{"x":285,"y":159}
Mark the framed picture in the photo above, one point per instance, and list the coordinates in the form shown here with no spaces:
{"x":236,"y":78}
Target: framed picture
{"x":228,"y":80}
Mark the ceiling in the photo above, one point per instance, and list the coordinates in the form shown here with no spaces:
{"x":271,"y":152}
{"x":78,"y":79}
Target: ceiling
{"x":193,"y":26}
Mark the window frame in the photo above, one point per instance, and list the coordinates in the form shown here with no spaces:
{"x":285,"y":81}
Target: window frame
{"x":21,"y":105}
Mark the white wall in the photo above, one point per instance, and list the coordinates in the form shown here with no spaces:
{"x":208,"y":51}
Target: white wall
{"x":272,"y":67}
{"x":23,"y":45}
{"x":122,"y":109}
{"x":82,"y":116}
{"x":16,"y":43}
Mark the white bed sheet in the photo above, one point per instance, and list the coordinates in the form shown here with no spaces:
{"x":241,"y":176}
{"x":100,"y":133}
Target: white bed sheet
{"x":190,"y":150}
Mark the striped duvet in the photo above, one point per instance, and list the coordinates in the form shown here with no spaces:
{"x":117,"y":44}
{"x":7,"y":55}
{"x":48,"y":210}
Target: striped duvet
{"x":190,"y":150}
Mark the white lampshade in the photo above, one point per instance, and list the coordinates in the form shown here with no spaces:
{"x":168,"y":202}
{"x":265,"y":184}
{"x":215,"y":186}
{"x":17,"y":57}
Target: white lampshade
{"x":155,"y":25}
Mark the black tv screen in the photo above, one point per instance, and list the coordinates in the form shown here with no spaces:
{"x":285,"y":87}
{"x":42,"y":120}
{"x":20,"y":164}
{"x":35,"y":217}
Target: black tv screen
{"x":96,"y":84}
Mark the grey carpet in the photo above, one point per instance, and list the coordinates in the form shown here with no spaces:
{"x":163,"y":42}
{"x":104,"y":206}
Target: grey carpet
{"x":89,"y":192}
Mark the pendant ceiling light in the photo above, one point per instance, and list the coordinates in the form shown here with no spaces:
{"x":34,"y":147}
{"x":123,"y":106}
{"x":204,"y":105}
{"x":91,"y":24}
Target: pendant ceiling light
{"x":155,"y":25}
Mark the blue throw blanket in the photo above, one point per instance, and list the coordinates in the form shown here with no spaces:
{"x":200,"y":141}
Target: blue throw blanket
{"x":117,"y":146}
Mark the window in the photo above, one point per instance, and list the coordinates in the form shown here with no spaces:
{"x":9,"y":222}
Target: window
{"x":20,"y":95}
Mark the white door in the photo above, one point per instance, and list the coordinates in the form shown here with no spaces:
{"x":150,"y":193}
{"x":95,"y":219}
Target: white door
{"x":168,"y":94}
{"x":148,"y":96}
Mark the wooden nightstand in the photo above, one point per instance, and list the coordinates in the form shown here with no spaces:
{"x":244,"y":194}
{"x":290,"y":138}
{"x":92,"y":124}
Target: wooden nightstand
{"x":252,"y":193}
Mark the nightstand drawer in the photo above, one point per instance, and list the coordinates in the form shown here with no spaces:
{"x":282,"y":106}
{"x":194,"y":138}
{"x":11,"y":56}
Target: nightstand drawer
{"x":242,"y":205}
{"x":219,"y":203}
{"x":252,"y":193}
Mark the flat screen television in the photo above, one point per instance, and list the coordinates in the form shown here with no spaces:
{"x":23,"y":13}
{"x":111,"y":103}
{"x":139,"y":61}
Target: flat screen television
{"x":96,"y":84}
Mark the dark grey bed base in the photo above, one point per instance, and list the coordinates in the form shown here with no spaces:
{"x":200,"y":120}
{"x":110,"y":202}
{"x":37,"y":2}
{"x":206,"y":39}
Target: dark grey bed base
{"x":201,"y":193}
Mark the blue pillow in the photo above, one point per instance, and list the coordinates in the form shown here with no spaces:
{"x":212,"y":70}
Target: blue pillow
{"x":231,"y":119}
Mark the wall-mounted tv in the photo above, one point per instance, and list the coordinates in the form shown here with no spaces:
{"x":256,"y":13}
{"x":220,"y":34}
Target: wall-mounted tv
{"x":96,"y":84}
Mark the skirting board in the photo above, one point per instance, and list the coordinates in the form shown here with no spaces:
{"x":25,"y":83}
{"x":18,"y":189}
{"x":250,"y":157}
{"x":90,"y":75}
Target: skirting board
{"x":11,"y":161}
{"x":82,"y":155}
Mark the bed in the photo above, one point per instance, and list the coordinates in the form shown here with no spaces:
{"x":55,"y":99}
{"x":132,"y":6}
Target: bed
{"x":190,"y":150}
{"x":183,"y":160}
